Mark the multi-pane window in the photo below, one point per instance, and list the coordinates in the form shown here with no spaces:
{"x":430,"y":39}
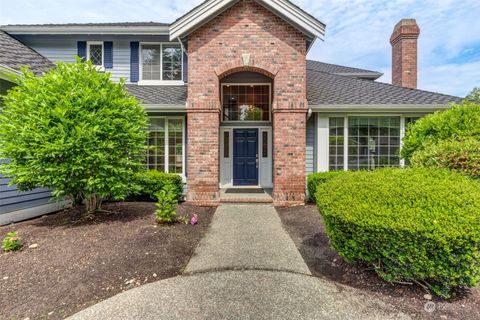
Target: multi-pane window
{"x":175,"y":145}
{"x":165,"y":145}
{"x":172,"y":62}
{"x":161,"y":62}
{"x":336,"y":140}
{"x":373,"y":142}
{"x":95,"y":53}
{"x":246,"y":102}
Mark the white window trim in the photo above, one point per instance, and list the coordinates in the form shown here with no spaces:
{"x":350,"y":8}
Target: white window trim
{"x":158,"y":82}
{"x":89,"y":43}
{"x":249,"y":84}
{"x":323,"y":135}
{"x":182,"y":174}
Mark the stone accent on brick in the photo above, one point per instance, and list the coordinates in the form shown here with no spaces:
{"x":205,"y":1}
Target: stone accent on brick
{"x":404,"y":53}
{"x":247,"y":37}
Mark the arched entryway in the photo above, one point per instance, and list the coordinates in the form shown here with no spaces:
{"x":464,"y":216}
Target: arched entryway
{"x":246,"y":129}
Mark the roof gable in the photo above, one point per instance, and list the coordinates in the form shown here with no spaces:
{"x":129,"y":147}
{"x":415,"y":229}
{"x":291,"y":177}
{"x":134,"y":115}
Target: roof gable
{"x":209,"y":9}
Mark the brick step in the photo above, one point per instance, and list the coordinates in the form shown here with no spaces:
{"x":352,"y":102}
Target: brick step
{"x":246,"y":200}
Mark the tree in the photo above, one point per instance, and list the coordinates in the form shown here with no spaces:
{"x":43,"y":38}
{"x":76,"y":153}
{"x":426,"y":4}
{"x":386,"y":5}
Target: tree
{"x":74,"y":131}
{"x":458,"y":122}
{"x":474,"y":95}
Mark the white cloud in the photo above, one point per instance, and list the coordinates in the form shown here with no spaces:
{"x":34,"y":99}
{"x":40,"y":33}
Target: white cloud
{"x":358,"y":31}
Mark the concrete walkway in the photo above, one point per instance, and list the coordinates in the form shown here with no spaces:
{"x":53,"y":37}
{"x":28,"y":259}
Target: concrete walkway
{"x":247,"y":237}
{"x":246,"y":267}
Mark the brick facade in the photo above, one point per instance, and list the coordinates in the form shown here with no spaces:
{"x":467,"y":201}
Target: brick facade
{"x":247,"y":37}
{"x":404,"y":53}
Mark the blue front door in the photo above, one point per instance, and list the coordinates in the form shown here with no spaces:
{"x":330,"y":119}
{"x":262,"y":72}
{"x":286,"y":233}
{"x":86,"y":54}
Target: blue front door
{"x":245,"y":157}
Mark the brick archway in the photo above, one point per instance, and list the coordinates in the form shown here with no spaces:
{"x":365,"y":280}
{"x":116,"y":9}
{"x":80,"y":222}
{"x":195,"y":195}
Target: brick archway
{"x":245,"y":64}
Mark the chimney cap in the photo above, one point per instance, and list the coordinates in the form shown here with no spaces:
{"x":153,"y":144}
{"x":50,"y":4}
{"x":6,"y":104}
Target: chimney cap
{"x":405,"y":29}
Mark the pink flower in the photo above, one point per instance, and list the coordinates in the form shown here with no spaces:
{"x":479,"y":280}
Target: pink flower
{"x":194,"y":220}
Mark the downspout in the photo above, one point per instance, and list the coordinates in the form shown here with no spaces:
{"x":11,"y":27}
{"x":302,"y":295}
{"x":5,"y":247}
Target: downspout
{"x":182,"y":46}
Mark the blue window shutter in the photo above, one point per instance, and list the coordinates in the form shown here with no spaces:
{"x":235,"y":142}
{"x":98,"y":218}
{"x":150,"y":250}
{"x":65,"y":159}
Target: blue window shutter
{"x":134,"y":67}
{"x":82,"y":50}
{"x":108,"y":54}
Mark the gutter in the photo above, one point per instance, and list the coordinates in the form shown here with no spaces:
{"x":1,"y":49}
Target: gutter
{"x":379,"y":107}
{"x":9,"y":74}
{"x":167,"y":108}
{"x":69,"y":30}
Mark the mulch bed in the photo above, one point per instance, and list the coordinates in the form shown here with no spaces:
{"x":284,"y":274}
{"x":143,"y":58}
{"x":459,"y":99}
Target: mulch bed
{"x":305,"y":226}
{"x":79,"y":263}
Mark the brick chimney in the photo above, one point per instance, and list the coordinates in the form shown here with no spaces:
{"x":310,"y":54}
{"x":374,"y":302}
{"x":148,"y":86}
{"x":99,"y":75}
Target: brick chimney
{"x":404,"y":53}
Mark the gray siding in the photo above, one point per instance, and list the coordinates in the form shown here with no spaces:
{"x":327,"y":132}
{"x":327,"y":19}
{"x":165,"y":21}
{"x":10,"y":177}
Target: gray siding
{"x":310,"y":151}
{"x":64,"y":48}
{"x":12,"y":200}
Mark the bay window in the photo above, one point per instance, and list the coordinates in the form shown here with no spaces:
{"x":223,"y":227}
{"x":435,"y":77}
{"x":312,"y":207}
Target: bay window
{"x":166,"y":150}
{"x":161,"y":62}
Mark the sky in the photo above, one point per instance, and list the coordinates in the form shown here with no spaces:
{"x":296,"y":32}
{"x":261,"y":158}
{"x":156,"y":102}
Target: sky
{"x":357,"y":34}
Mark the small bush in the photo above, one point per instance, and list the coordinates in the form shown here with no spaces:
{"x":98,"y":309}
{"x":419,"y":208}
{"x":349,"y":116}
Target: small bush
{"x":458,"y":122}
{"x":418,"y":225}
{"x":315,"y":179}
{"x":460,"y":155}
{"x":11,"y":242}
{"x":167,"y":201}
{"x":149,"y":183}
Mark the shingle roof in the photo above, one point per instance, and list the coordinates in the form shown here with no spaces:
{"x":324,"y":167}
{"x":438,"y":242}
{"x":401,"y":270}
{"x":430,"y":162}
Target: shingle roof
{"x":324,"y":88}
{"x":14,"y":54}
{"x":342,"y":70}
{"x":330,"y":89}
{"x":167,"y":95}
{"x":106,"y":24}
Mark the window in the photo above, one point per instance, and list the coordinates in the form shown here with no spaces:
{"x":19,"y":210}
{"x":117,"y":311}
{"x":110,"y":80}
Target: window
{"x":373,"y":142}
{"x":226,"y":144}
{"x":249,"y":102}
{"x":336,"y":143}
{"x":161,"y":62}
{"x":166,"y":145}
{"x":95,"y":53}
{"x":264,"y":144}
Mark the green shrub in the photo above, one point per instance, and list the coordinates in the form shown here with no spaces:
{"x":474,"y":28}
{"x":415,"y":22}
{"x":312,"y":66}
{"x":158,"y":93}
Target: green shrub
{"x":461,"y":155}
{"x":315,"y":179}
{"x":149,"y":183}
{"x":458,"y":122}
{"x":74,"y":131}
{"x":167,"y":201}
{"x":11,"y":242}
{"x":418,"y":225}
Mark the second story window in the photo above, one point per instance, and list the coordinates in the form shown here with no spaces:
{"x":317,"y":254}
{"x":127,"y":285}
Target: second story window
{"x":95,"y":53}
{"x":161,"y":62}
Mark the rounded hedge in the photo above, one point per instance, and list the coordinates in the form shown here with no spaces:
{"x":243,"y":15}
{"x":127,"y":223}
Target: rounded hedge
{"x":316,"y":179}
{"x":418,"y":225}
{"x":460,"y":155}
{"x":458,"y":122}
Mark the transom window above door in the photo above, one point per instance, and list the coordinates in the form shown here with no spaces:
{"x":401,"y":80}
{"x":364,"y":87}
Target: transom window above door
{"x":160,"y":62}
{"x":246,"y":102}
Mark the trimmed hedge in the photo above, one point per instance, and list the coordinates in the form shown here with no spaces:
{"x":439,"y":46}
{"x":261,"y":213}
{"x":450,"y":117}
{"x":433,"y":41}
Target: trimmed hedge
{"x":459,"y":155}
{"x":315,"y":179}
{"x":149,"y":183}
{"x":418,"y":225}
{"x":458,"y":122}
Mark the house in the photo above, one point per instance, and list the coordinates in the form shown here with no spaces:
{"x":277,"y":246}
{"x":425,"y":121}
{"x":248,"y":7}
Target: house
{"x":234,"y":102}
{"x":16,"y":205}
